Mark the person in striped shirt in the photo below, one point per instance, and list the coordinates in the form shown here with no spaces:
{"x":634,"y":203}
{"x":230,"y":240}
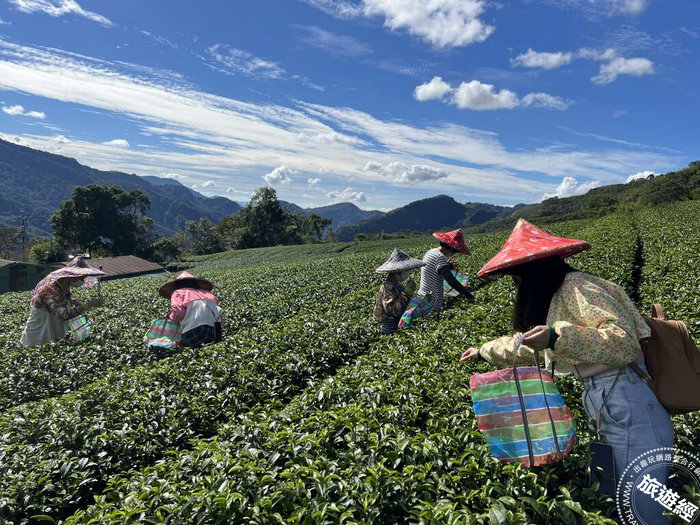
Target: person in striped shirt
{"x":438,"y":268}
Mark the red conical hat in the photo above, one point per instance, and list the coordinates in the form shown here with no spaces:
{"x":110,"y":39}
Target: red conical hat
{"x":453,"y":239}
{"x":528,"y":243}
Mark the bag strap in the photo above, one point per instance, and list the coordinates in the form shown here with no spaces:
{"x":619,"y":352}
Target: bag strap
{"x":546,"y":401}
{"x":657,"y":312}
{"x":646,"y":378}
{"x":523,"y":412}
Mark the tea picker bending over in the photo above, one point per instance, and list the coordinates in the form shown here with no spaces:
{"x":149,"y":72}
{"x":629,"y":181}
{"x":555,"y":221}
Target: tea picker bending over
{"x":52,"y":305}
{"x":393,"y":295}
{"x":586,"y":326}
{"x":438,"y":268}
{"x":195,"y":307}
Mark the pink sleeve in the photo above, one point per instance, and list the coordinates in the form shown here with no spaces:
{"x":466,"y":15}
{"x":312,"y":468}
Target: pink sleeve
{"x":179,"y":308}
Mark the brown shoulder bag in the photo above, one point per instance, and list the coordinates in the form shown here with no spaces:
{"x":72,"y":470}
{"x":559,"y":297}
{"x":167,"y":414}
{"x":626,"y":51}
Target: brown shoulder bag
{"x":673,"y":361}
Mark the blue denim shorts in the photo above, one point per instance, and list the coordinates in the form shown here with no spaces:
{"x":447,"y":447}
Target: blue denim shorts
{"x":632,"y":420}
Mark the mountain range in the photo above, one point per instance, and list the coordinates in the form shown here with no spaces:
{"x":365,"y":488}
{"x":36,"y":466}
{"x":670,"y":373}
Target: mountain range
{"x":36,"y":183}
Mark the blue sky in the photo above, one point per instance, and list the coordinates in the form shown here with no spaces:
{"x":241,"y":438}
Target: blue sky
{"x":376,"y":102}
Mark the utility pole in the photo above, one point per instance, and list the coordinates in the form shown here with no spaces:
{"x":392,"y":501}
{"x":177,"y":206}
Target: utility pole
{"x":23,"y":235}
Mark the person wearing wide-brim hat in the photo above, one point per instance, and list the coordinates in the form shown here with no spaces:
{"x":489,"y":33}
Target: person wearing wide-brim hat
{"x":438,"y":268}
{"x":393,"y":295}
{"x":196,"y":308}
{"x":52,"y":304}
{"x":590,"y":328}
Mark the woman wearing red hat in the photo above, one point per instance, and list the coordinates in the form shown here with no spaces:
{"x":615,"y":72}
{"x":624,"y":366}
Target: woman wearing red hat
{"x":438,"y":268}
{"x":586,"y":326}
{"x":195,"y":307}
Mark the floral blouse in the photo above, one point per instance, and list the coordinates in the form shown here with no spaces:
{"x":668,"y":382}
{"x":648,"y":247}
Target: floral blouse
{"x":58,"y":302}
{"x":597,"y":323}
{"x":391,"y":303}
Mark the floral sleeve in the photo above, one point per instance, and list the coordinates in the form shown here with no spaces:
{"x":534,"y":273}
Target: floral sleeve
{"x":499,"y":352}
{"x":601,"y":328}
{"x":58,"y":304}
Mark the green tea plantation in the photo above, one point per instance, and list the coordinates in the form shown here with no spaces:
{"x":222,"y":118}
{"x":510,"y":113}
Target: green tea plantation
{"x":303,"y":414}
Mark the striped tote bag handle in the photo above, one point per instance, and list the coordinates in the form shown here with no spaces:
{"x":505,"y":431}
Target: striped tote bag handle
{"x":516,"y":377}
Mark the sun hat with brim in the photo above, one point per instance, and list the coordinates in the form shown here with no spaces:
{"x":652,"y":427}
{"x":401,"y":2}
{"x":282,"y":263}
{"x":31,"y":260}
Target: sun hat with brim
{"x":75,"y":269}
{"x":454,"y":240}
{"x":399,"y":261}
{"x":529,"y":243}
{"x":184,"y":280}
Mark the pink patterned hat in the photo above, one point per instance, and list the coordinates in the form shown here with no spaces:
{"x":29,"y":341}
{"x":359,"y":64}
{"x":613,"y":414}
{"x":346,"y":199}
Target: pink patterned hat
{"x":528,"y":243}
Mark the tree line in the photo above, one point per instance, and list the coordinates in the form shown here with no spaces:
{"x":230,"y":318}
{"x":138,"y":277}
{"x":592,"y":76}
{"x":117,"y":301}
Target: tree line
{"x":109,"y":221}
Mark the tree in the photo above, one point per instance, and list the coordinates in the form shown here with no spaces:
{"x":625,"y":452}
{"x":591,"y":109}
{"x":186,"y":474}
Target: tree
{"x":8,"y":242}
{"x":263,"y":222}
{"x":165,"y":249}
{"x":104,"y":220}
{"x":316,"y":225}
{"x":201,"y":238}
{"x":47,"y":252}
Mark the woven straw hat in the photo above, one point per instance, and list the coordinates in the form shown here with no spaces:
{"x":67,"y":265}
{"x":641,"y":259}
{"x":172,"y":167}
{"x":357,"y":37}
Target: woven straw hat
{"x":184,"y":280}
{"x":398,"y":261}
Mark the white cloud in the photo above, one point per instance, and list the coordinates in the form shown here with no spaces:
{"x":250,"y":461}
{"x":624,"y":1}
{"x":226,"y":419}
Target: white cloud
{"x":204,"y":136}
{"x":636,"y":67}
{"x":435,"y":89}
{"x":614,"y":65}
{"x":641,"y":175}
{"x":334,"y":44}
{"x":13,"y":110}
{"x":544,"y":100}
{"x":236,"y":191}
{"x":58,"y":8}
{"x":4,"y":23}
{"x":232,"y":61}
{"x":313,"y":181}
{"x":403,"y":173}
{"x":478,"y":96}
{"x":631,"y":7}
{"x":441,"y":23}
{"x":18,"y":110}
{"x":280,"y":175}
{"x":208,"y":184}
{"x":533,"y":59}
{"x":60,"y":139}
{"x":570,"y":187}
{"x":596,"y":8}
{"x":329,"y":137}
{"x":119,"y":143}
{"x":347,"y":195}
{"x":372,"y":166}
{"x":175,"y":176}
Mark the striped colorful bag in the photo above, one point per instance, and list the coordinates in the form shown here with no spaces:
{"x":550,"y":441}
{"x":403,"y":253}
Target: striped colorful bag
{"x":79,"y":328}
{"x":163,"y":333}
{"x":418,"y":306}
{"x":522,"y":414}
{"x":448,"y":290}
